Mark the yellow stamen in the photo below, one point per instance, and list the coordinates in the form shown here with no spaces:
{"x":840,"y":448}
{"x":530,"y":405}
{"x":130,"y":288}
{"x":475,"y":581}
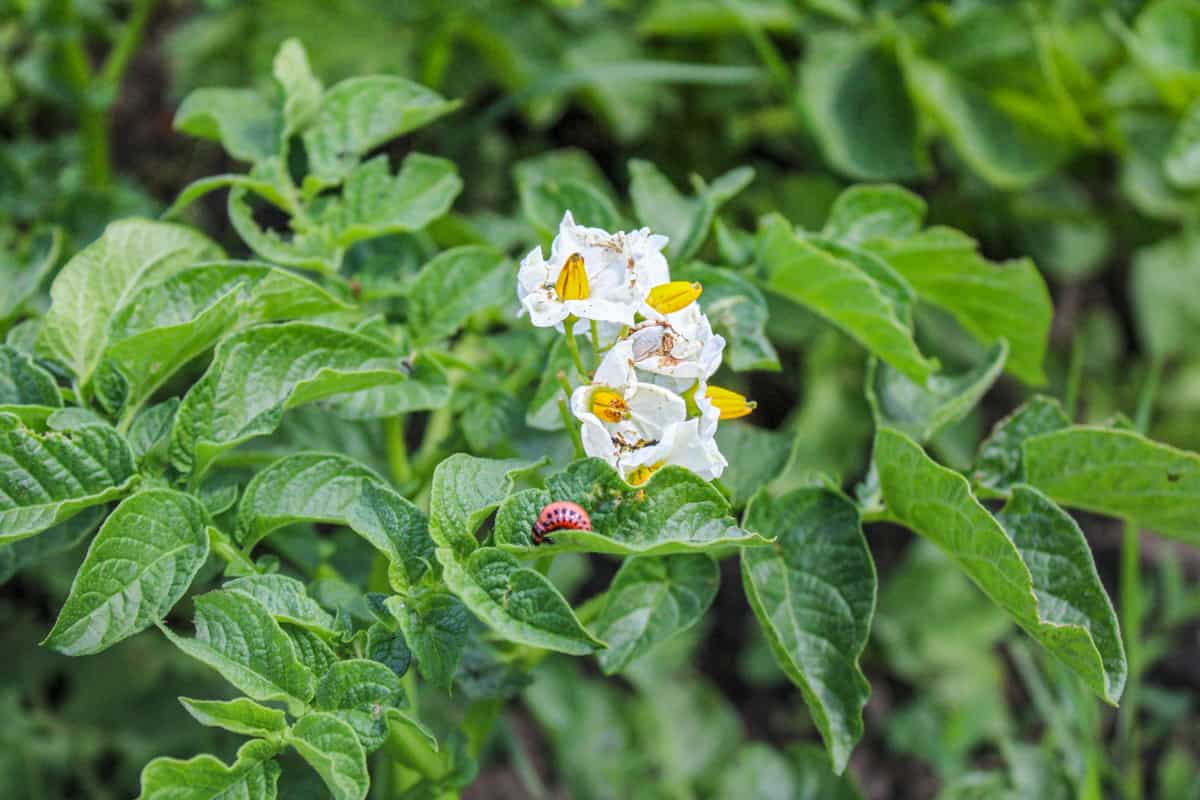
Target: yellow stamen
{"x":673,"y":296}
{"x":731,"y":404}
{"x":572,"y":283}
{"x":609,"y":405}
{"x":641,"y":474}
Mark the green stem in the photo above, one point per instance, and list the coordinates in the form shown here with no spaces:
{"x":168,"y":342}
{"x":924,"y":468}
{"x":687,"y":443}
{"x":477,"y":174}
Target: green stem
{"x":1074,"y":377}
{"x":573,"y":346}
{"x":572,"y":429}
{"x":1131,"y":624}
{"x":397,"y":450}
{"x":595,"y":331}
{"x":127,"y":44}
{"x":764,"y":48}
{"x":238,"y":563}
{"x":1145,"y":406}
{"x":1131,"y":607}
{"x":93,"y":119}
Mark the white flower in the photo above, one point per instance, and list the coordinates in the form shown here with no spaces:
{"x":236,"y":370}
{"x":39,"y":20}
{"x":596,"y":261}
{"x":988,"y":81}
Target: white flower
{"x":679,"y":345}
{"x":693,"y":447}
{"x":609,"y":285}
{"x":628,"y":423}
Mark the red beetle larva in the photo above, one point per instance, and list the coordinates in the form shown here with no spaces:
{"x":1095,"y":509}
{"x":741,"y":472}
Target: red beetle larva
{"x":558,"y":516}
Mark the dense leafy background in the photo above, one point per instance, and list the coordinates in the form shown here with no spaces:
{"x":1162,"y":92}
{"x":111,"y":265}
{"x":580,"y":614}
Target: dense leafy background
{"x":1059,"y":133}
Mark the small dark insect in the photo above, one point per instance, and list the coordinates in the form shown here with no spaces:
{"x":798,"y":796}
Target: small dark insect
{"x":1173,"y":477}
{"x":558,"y":516}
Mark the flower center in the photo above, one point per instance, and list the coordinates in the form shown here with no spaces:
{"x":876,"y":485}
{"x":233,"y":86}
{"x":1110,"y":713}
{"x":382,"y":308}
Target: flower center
{"x":731,"y":404}
{"x":673,"y":296}
{"x":609,"y":405}
{"x":641,"y":474}
{"x":572,"y":283}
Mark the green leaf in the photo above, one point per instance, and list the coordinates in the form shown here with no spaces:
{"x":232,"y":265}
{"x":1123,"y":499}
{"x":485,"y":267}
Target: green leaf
{"x":518,"y":603}
{"x":164,"y":326}
{"x":358,"y":115}
{"x":884,"y":211}
{"x":242,"y":120}
{"x":1025,"y":573}
{"x":1168,"y":318}
{"x":389,"y":648}
{"x":544,"y":200}
{"x":136,"y":570}
{"x":992,"y":301}
{"x":359,"y":692}
{"x":374,"y":203}
{"x":649,"y":601}
{"x":237,"y":636}
{"x":47,"y":478}
{"x":564,"y":179}
{"x":998,"y":465}
{"x":921,"y":412}
{"x":259,"y":373}
{"x":16,"y":556}
{"x":255,"y":183}
{"x":427,"y":388}
{"x":435,"y":626}
{"x":330,"y":488}
{"x":686,"y":221}
{"x":738,"y":311}
{"x":465,"y":491}
{"x":310,"y":248}
{"x":842,"y":292}
{"x":242,"y":715}
{"x":24,"y":383}
{"x":331,"y":747}
{"x":1182,"y":163}
{"x":756,"y":457}
{"x":103,"y":277}
{"x":813,"y":592}
{"x":859,"y":109}
{"x":20,"y":280}
{"x":252,"y":777}
{"x":286,"y":599}
{"x":757,"y":772}
{"x":455,"y":285}
{"x":1065,"y":577}
{"x":1008,"y":151}
{"x":310,"y":648}
{"x":673,"y":512}
{"x":1119,"y":473}
{"x":151,"y":430}
{"x":301,"y":89}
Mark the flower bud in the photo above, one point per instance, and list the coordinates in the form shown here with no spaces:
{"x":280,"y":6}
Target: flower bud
{"x":673,"y":296}
{"x":572,"y":283}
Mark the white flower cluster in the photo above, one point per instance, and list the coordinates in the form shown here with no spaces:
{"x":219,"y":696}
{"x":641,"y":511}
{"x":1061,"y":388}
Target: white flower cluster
{"x":649,"y":403}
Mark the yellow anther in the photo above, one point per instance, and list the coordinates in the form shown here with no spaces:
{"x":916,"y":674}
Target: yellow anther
{"x":731,"y":404}
{"x":609,"y":405}
{"x":673,"y":296}
{"x":641,"y":474}
{"x":572,"y":283}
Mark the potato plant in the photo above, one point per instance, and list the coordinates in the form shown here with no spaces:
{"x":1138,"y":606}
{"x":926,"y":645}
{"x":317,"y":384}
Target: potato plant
{"x":355,"y":473}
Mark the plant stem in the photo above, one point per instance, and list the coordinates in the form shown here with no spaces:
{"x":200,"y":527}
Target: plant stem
{"x":397,"y":450}
{"x":238,"y":562}
{"x":1131,"y":624}
{"x":1074,"y":377}
{"x":573,"y":346}
{"x":1132,"y":607}
{"x":572,"y":429}
{"x":595,"y":331}
{"x":127,"y":44}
